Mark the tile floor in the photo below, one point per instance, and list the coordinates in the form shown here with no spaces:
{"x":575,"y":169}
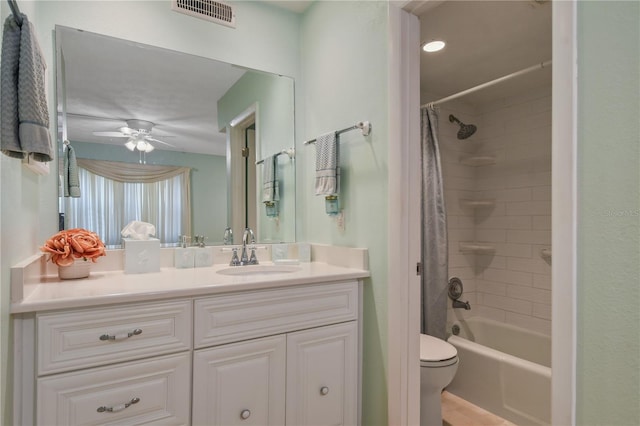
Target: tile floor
{"x":458,"y":412}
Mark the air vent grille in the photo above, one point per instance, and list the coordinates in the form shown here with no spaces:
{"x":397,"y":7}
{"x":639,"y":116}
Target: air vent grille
{"x":214,"y":11}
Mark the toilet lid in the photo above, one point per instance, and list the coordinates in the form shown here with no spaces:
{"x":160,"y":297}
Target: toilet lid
{"x":434,"y":349}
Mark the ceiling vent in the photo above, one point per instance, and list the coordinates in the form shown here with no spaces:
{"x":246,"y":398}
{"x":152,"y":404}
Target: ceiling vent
{"x":214,"y":11}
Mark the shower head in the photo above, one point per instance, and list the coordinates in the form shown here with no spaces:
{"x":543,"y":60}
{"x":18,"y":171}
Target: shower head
{"x":466,"y":130}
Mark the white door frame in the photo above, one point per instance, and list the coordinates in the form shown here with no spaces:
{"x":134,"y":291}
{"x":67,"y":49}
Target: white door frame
{"x":404,"y":192}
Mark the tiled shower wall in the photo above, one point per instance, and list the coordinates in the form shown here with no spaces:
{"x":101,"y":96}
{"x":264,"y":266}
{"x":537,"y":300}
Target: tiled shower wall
{"x":512,"y":283}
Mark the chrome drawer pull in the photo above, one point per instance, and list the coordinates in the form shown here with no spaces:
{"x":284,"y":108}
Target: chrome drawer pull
{"x":245,"y":414}
{"x":135,"y":332}
{"x":119,"y":407}
{"x":324,"y":390}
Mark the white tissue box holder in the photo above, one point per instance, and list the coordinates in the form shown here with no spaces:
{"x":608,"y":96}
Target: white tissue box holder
{"x":141,"y":256}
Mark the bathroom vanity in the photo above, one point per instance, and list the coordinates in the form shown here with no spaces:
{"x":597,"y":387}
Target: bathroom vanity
{"x":197,"y":346}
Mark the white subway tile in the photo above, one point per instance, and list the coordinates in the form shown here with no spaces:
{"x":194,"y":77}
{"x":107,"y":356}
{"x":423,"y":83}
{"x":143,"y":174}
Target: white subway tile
{"x":529,"y":293}
{"x":462,"y":273}
{"x":491,"y":235}
{"x":490,"y":261}
{"x":541,"y":193}
{"x":523,"y":307}
{"x":529,"y":180}
{"x":534,"y":265}
{"x":542,"y":223}
{"x":518,"y":222}
{"x":457,"y":260}
{"x":514,"y":250}
{"x":528,"y":208}
{"x":542,"y":311}
{"x":491,"y":287}
{"x":530,"y":237}
{"x":542,"y":281}
{"x":506,"y":276}
{"x":489,"y":313}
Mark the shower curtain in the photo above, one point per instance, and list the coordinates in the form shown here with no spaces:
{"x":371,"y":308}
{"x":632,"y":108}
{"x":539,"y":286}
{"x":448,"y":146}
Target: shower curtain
{"x":435,"y":251}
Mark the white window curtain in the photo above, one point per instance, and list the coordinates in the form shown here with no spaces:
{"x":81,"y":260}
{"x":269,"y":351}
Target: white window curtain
{"x":114,"y":194}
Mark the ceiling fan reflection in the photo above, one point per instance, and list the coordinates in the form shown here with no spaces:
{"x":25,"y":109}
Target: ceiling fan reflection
{"x":138,"y":134}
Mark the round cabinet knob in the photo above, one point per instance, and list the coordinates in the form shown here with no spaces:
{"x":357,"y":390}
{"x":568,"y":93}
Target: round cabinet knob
{"x":324,"y":390}
{"x":245,"y":414}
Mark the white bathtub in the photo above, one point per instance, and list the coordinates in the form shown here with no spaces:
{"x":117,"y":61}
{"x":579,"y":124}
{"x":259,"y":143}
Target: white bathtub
{"x":504,"y":369}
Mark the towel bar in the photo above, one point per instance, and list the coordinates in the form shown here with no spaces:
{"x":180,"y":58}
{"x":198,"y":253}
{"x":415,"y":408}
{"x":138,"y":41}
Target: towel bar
{"x":365,"y":126}
{"x":291,"y":152}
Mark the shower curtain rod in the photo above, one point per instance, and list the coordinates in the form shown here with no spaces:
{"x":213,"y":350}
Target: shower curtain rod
{"x":489,"y":83}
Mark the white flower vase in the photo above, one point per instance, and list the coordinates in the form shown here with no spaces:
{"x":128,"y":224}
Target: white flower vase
{"x":80,"y":268}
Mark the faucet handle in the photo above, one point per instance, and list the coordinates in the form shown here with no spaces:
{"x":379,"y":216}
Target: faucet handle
{"x":253,"y":260}
{"x":234,"y":259}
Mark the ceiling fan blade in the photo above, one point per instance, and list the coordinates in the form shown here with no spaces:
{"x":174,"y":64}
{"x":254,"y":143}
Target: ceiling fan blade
{"x":148,"y":138}
{"x":127,"y":131}
{"x":111,"y":134}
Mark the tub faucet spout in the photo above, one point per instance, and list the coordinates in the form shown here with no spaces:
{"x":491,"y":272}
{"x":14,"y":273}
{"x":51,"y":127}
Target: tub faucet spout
{"x":460,"y":304}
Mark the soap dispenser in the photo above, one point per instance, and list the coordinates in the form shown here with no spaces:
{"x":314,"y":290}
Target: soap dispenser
{"x":184,"y":256}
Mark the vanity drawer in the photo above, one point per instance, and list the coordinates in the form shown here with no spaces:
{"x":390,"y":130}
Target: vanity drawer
{"x":152,"y":391}
{"x":229,"y":318}
{"x":93,"y":337}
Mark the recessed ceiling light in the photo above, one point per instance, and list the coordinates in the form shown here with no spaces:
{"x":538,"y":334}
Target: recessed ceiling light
{"x":433,"y":46}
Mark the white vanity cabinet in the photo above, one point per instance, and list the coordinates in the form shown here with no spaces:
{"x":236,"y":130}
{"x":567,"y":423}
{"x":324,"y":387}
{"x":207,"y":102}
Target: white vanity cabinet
{"x":305,"y":373}
{"x":279,"y":355}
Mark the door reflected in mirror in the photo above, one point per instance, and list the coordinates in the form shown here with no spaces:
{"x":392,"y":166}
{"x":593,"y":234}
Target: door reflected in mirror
{"x":123,"y":105}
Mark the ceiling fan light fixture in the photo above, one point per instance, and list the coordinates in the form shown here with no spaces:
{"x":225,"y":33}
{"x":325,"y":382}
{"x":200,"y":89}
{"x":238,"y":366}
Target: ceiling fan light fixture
{"x":130,"y":145}
{"x":144,"y":146}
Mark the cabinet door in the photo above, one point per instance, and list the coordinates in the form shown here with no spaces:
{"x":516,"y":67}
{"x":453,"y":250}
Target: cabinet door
{"x":151,"y":391}
{"x":240,"y":383}
{"x":322,"y":376}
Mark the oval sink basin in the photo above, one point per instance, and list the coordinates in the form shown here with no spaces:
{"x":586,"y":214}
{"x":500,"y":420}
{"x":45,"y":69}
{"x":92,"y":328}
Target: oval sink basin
{"x":259,"y":270}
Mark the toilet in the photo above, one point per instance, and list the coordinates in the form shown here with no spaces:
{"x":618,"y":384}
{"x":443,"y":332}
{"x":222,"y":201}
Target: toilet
{"x":438,"y":366}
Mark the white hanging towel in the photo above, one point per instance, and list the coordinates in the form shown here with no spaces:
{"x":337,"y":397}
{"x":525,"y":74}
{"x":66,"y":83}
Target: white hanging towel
{"x":71,"y":177}
{"x":270,"y":190}
{"x":327,"y":165}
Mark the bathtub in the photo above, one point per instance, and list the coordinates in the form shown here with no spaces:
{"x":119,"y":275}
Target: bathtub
{"x":504,"y":369}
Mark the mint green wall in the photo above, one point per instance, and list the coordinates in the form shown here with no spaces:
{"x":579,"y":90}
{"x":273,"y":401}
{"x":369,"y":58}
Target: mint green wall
{"x":208,"y":182}
{"x":344,"y":68}
{"x":608,"y":364}
{"x":265,"y":38}
{"x":275,"y":113}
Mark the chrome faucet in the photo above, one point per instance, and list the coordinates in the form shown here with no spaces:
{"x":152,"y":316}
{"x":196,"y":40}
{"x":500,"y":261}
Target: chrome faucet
{"x":460,"y":304}
{"x":248,"y":238}
{"x":227,"y":239}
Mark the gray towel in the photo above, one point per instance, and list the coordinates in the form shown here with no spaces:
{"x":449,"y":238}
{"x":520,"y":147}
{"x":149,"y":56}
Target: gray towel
{"x":25,"y":114}
{"x":71,"y":178}
{"x":270,"y":190}
{"x":327,"y":165}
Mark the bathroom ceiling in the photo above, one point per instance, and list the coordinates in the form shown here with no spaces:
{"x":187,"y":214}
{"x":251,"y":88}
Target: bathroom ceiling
{"x":485,"y":40}
{"x":109,"y":81}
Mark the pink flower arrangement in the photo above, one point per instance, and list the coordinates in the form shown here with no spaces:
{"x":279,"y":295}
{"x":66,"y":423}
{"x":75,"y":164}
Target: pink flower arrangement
{"x":70,"y":244}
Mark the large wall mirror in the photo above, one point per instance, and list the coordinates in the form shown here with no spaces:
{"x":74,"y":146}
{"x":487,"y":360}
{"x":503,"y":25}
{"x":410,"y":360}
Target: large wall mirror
{"x":186,"y":143}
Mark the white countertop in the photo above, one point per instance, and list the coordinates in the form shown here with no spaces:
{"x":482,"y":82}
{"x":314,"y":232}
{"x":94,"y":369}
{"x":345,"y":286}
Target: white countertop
{"x":48,"y":292}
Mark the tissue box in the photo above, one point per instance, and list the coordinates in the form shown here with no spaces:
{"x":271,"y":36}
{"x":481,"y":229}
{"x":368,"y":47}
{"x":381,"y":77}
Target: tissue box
{"x":141,"y":256}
